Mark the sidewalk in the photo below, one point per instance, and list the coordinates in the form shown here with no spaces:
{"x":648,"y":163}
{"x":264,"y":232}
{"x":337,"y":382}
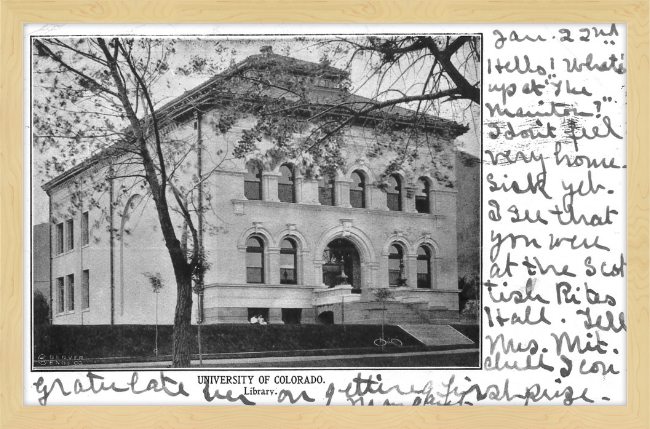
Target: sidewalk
{"x":284,"y":360}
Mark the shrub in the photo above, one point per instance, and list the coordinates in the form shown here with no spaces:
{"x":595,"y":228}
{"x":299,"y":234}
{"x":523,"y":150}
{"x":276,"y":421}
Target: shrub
{"x":41,"y":309}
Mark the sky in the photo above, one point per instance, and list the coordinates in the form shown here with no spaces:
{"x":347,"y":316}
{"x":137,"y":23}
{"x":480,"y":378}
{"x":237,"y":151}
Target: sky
{"x":222,"y":52}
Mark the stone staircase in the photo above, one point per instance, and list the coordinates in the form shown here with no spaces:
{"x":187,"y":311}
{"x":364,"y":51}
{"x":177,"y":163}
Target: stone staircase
{"x":398,"y":313}
{"x":434,"y":315}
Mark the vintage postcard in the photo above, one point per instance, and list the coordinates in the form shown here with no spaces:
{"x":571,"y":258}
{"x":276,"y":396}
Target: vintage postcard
{"x":326,"y":215}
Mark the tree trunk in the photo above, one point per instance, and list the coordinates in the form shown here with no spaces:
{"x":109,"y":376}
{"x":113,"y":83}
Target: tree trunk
{"x":181,"y":338}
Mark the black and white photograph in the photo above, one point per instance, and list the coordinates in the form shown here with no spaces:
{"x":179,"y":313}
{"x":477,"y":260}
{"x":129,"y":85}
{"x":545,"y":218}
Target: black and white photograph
{"x":266,"y":201}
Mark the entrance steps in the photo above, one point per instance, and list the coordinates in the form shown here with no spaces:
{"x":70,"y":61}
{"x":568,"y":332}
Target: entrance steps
{"x":436,"y":335}
{"x":398,"y":313}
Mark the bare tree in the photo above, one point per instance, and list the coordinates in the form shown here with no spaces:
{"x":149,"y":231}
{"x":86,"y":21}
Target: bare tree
{"x":101,"y":97}
{"x":410,"y":83}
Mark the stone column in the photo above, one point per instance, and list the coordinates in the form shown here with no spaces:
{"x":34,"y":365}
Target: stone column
{"x":298,"y":191}
{"x":309,"y":191}
{"x":376,"y":198}
{"x":273,"y":266}
{"x":275,"y":316}
{"x":408,"y":199}
{"x":270,"y":186}
{"x":342,"y":193}
{"x":237,"y":274}
{"x":370,"y":280}
{"x":411,"y":270}
{"x":436,"y":266}
{"x":318,"y":274}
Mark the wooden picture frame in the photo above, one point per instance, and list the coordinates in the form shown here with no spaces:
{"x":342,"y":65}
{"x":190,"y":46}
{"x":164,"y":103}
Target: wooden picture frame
{"x":16,"y":13}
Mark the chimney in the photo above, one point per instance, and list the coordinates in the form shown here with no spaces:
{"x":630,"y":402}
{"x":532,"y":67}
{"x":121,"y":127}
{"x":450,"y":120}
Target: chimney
{"x":266,"y":50}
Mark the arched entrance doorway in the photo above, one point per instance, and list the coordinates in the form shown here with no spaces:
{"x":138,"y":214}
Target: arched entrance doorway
{"x":342,"y":264}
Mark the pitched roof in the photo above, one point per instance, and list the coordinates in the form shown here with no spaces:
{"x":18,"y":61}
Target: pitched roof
{"x":326,"y":96}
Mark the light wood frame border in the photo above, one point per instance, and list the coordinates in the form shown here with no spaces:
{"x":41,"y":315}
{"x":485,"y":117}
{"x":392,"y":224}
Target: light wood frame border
{"x":14,"y":13}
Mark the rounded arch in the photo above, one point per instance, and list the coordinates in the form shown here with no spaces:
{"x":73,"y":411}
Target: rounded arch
{"x":258,"y":231}
{"x":400,"y":239}
{"x":430,"y":244}
{"x":129,"y":207}
{"x":291,"y":163}
{"x":353,"y":234}
{"x":287,"y":183}
{"x":253,"y":180}
{"x":428,"y":177}
{"x":395,"y":192}
{"x":363,"y":246}
{"x":358,"y":189}
{"x":401,"y":174}
{"x":297,"y":236}
{"x":422,"y":188}
{"x":427,"y":180}
{"x":301,"y":252}
{"x":361,"y":168}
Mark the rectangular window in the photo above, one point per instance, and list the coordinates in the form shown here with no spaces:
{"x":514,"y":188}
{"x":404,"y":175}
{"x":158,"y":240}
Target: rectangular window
{"x":70,"y":281}
{"x":285,"y":192}
{"x":325,"y":196}
{"x":69,"y":234}
{"x":356,"y":199}
{"x":254,"y":268}
{"x":258,"y":315}
{"x":422,"y":204}
{"x":423,"y":281}
{"x":85,"y":238}
{"x":393,"y":202}
{"x":393,"y":277}
{"x":60,"y":295}
{"x":59,"y":238}
{"x":393,"y":272}
{"x":291,"y":316}
{"x":288,"y":268}
{"x":424,"y":278}
{"x":252,"y":190}
{"x":85,"y":290}
{"x":288,"y":276}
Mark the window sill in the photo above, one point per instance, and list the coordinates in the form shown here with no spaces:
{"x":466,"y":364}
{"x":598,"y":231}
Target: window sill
{"x":67,"y":252}
{"x":260,"y":285}
{"x":340,"y":209}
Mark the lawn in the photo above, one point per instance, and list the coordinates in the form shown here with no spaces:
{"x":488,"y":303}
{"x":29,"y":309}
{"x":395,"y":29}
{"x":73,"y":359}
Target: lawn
{"x":138,"y":341}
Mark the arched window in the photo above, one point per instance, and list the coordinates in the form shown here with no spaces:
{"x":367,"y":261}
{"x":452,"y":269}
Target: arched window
{"x":326,"y":190}
{"x":424,"y":268}
{"x":422,"y":196}
{"x":394,"y":193}
{"x":358,"y":190}
{"x":254,"y":260}
{"x":253,"y":182}
{"x":396,"y":266}
{"x":288,"y":253}
{"x":286,"y":185}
